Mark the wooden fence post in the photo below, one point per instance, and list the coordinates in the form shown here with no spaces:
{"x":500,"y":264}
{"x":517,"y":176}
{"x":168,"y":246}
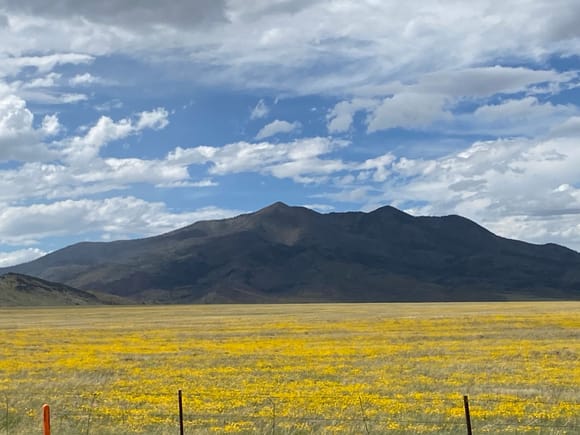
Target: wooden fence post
{"x":46,"y":419}
{"x":180,"y":399}
{"x":467,"y":416}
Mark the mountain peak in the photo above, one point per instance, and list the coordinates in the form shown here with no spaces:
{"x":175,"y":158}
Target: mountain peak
{"x":278,"y":205}
{"x":273,"y":209}
{"x":389,"y":210}
{"x":280,"y":208}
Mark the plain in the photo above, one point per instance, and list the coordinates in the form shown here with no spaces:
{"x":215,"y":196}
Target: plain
{"x":324,"y":368}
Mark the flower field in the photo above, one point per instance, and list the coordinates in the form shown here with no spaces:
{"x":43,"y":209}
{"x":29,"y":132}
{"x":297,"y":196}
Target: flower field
{"x":293,"y":369}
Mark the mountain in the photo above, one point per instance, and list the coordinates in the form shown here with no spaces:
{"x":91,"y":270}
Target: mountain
{"x":23,"y":290}
{"x":292,"y":254}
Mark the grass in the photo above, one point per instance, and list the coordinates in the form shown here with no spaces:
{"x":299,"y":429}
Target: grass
{"x":292,"y":369}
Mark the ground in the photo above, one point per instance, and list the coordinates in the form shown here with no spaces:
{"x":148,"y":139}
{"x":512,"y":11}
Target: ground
{"x":325,"y":368}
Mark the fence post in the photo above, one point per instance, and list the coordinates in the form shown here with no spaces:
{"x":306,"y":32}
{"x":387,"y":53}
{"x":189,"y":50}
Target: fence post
{"x":467,"y":416}
{"x":46,"y":419}
{"x":179,"y":397}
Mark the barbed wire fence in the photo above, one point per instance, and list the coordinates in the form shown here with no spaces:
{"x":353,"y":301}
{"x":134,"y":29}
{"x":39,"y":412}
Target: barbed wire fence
{"x":192,"y":412}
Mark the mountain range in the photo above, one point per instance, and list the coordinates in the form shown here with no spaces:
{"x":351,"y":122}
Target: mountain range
{"x":294,"y":254}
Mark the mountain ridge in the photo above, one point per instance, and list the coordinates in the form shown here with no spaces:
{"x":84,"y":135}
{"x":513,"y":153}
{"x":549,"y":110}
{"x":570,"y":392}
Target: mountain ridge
{"x":282,"y":253}
{"x":23,"y":290}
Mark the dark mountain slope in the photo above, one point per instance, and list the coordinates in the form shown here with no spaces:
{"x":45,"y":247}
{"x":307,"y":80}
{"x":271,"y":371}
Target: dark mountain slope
{"x":27,"y":291}
{"x":283,"y":253}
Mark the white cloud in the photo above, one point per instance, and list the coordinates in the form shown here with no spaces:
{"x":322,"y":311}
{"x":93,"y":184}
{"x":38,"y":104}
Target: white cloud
{"x":340,"y":117}
{"x":487,"y":81}
{"x":407,"y":110}
{"x":570,"y":127}
{"x":51,"y":96}
{"x":19,"y":140}
{"x":48,"y":81}
{"x":107,"y":106}
{"x":299,"y":160}
{"x":348,"y":44}
{"x":155,"y":119}
{"x":69,"y":98}
{"x":379,"y":166}
{"x":431,"y":100}
{"x":42,"y":64}
{"x":526,"y":117}
{"x":355,"y":195}
{"x":32,"y":77}
{"x":19,"y":256}
{"x":15,"y":116}
{"x":50,"y":125}
{"x":277,"y":127}
{"x":310,"y":170}
{"x":77,"y":167}
{"x":510,"y":109}
{"x":202,"y":183}
{"x":260,"y":111}
{"x":112,"y":216}
{"x":104,"y":131}
{"x":84,"y":79}
{"x":85,"y":148}
{"x":78,"y":178}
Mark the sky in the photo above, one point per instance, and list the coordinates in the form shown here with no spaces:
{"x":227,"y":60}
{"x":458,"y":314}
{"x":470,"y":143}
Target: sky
{"x":125,"y":119}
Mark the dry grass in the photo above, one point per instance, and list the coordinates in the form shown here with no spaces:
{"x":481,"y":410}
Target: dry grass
{"x":346,"y":368}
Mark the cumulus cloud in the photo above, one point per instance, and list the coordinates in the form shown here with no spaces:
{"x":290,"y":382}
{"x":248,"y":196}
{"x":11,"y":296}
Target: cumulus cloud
{"x":87,"y":147}
{"x":277,"y":127}
{"x":114,"y":217}
{"x":155,"y":119}
{"x":340,"y":118}
{"x":19,"y":139}
{"x":73,"y":166}
{"x":50,"y":125}
{"x":378,"y":168}
{"x":46,"y":81}
{"x":98,"y":175}
{"x":19,"y":256}
{"x":299,"y":160}
{"x":32,"y":78}
{"x":84,"y":79}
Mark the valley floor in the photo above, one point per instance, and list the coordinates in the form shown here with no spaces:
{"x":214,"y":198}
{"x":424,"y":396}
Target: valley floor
{"x":289,"y":369}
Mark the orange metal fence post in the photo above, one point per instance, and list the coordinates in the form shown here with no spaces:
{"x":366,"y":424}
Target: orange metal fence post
{"x":46,"y":419}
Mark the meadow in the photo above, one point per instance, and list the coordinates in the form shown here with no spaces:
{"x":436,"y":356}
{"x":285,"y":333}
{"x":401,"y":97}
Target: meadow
{"x":293,"y":369}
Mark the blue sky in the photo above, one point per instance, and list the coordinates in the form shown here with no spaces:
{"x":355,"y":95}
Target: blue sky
{"x":129,"y":119}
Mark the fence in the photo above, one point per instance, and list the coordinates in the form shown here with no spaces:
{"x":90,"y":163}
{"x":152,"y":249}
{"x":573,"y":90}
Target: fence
{"x":191,"y":412}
